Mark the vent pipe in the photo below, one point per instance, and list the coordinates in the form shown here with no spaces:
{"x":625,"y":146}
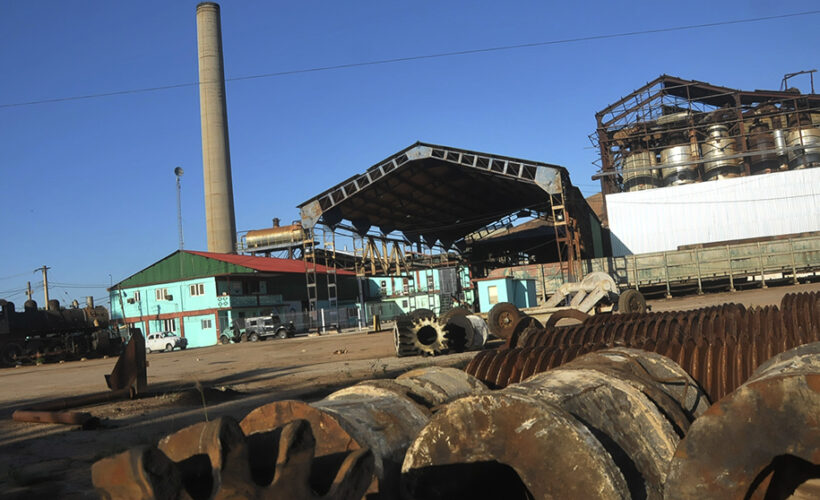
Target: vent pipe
{"x":216,"y":157}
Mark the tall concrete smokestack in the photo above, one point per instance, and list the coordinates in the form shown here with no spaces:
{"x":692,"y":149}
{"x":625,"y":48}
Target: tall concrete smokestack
{"x":216,"y":154}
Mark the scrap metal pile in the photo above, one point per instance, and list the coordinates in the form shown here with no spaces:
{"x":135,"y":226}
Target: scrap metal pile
{"x":609,"y":422}
{"x":719,"y":346}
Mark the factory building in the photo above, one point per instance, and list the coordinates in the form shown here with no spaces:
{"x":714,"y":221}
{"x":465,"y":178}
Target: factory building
{"x":434,"y":207}
{"x":690,"y":163}
{"x":199,"y":294}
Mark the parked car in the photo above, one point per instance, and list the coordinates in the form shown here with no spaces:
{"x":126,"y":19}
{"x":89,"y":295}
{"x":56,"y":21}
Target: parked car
{"x":164,"y":341}
{"x":258,"y":328}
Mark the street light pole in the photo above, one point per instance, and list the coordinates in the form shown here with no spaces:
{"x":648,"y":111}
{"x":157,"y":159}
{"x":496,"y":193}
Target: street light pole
{"x":178,"y":172}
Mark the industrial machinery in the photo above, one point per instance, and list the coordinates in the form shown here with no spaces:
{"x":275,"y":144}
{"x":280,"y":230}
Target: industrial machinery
{"x":54,"y":333}
{"x":693,"y":131}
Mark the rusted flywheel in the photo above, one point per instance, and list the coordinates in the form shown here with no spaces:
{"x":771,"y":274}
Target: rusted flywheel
{"x":502,"y":319}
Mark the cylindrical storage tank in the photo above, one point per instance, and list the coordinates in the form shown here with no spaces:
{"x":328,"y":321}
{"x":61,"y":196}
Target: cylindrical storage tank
{"x":764,"y":140}
{"x":719,"y":150}
{"x":636,"y":179}
{"x":806,"y":144}
{"x":282,"y":236}
{"x":676,"y":166}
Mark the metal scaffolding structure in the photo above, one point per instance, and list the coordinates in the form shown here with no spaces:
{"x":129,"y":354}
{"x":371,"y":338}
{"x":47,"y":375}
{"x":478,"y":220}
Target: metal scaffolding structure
{"x":673,"y":131}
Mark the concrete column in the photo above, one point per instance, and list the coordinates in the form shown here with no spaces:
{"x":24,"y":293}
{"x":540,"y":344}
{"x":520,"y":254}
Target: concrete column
{"x":216,"y":157}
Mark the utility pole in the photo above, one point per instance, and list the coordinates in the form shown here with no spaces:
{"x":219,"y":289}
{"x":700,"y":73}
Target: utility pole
{"x":29,"y":293}
{"x":44,"y":269}
{"x":178,"y":172}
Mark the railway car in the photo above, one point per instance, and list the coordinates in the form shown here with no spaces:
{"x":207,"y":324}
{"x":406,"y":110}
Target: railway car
{"x":54,"y":333}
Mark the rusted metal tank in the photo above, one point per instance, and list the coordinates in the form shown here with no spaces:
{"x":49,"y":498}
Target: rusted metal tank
{"x":760,"y":441}
{"x":639,"y":172}
{"x":278,"y":236}
{"x":719,"y":149}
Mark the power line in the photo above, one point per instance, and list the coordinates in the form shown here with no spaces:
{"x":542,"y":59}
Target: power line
{"x":421,"y":57}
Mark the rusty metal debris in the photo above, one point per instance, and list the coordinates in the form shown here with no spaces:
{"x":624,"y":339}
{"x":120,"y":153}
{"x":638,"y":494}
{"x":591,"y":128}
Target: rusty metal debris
{"x":719,"y":347}
{"x":760,"y":441}
{"x":351,"y":442}
{"x":217,"y":460}
{"x":605,"y":426}
{"x":422,"y":333}
{"x":128,"y":379}
{"x":383,"y":415}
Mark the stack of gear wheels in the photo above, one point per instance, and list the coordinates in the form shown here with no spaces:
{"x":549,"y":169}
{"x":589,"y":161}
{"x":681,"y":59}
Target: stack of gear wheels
{"x":420,"y":333}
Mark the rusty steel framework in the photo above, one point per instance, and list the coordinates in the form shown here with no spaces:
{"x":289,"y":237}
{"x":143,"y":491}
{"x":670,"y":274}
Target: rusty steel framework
{"x":428,"y":197}
{"x":673,"y":131}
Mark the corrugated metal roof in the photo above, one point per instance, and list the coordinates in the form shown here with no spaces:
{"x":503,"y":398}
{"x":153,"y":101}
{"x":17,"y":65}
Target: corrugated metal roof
{"x":436,"y":193}
{"x":189,"y":264}
{"x":265,"y":264}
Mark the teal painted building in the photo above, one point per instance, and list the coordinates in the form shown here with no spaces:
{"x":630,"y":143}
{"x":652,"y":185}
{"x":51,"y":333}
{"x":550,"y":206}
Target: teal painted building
{"x":435,"y":289}
{"x":199,"y":294}
{"x":520,"y":292}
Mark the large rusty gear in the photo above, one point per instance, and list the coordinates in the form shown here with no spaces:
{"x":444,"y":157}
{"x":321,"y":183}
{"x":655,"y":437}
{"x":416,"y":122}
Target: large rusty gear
{"x":429,"y":336}
{"x":217,"y":460}
{"x":420,"y":333}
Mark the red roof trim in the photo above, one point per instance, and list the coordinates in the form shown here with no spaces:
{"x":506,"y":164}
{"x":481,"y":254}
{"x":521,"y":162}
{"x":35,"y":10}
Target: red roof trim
{"x":266,"y":264}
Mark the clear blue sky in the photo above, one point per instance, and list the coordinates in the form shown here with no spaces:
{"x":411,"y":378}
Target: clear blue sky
{"x":87,"y":186}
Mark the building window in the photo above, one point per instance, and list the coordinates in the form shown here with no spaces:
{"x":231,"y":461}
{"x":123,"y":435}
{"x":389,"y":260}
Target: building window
{"x":206,"y":324}
{"x":492,"y":293}
{"x":161,"y":293}
{"x":169,"y":325}
{"x":404,"y":304}
{"x":406,"y":286}
{"x":136,"y":295}
{"x":198,"y":289}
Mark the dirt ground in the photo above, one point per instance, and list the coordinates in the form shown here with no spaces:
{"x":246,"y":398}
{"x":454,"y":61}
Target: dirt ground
{"x":205,"y":383}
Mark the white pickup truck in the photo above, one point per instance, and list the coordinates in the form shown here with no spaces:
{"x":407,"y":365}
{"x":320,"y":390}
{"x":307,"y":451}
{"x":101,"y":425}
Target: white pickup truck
{"x":164,"y":341}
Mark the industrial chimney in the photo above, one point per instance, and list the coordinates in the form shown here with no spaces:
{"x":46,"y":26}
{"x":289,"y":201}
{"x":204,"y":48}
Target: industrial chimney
{"x":216,"y":155}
